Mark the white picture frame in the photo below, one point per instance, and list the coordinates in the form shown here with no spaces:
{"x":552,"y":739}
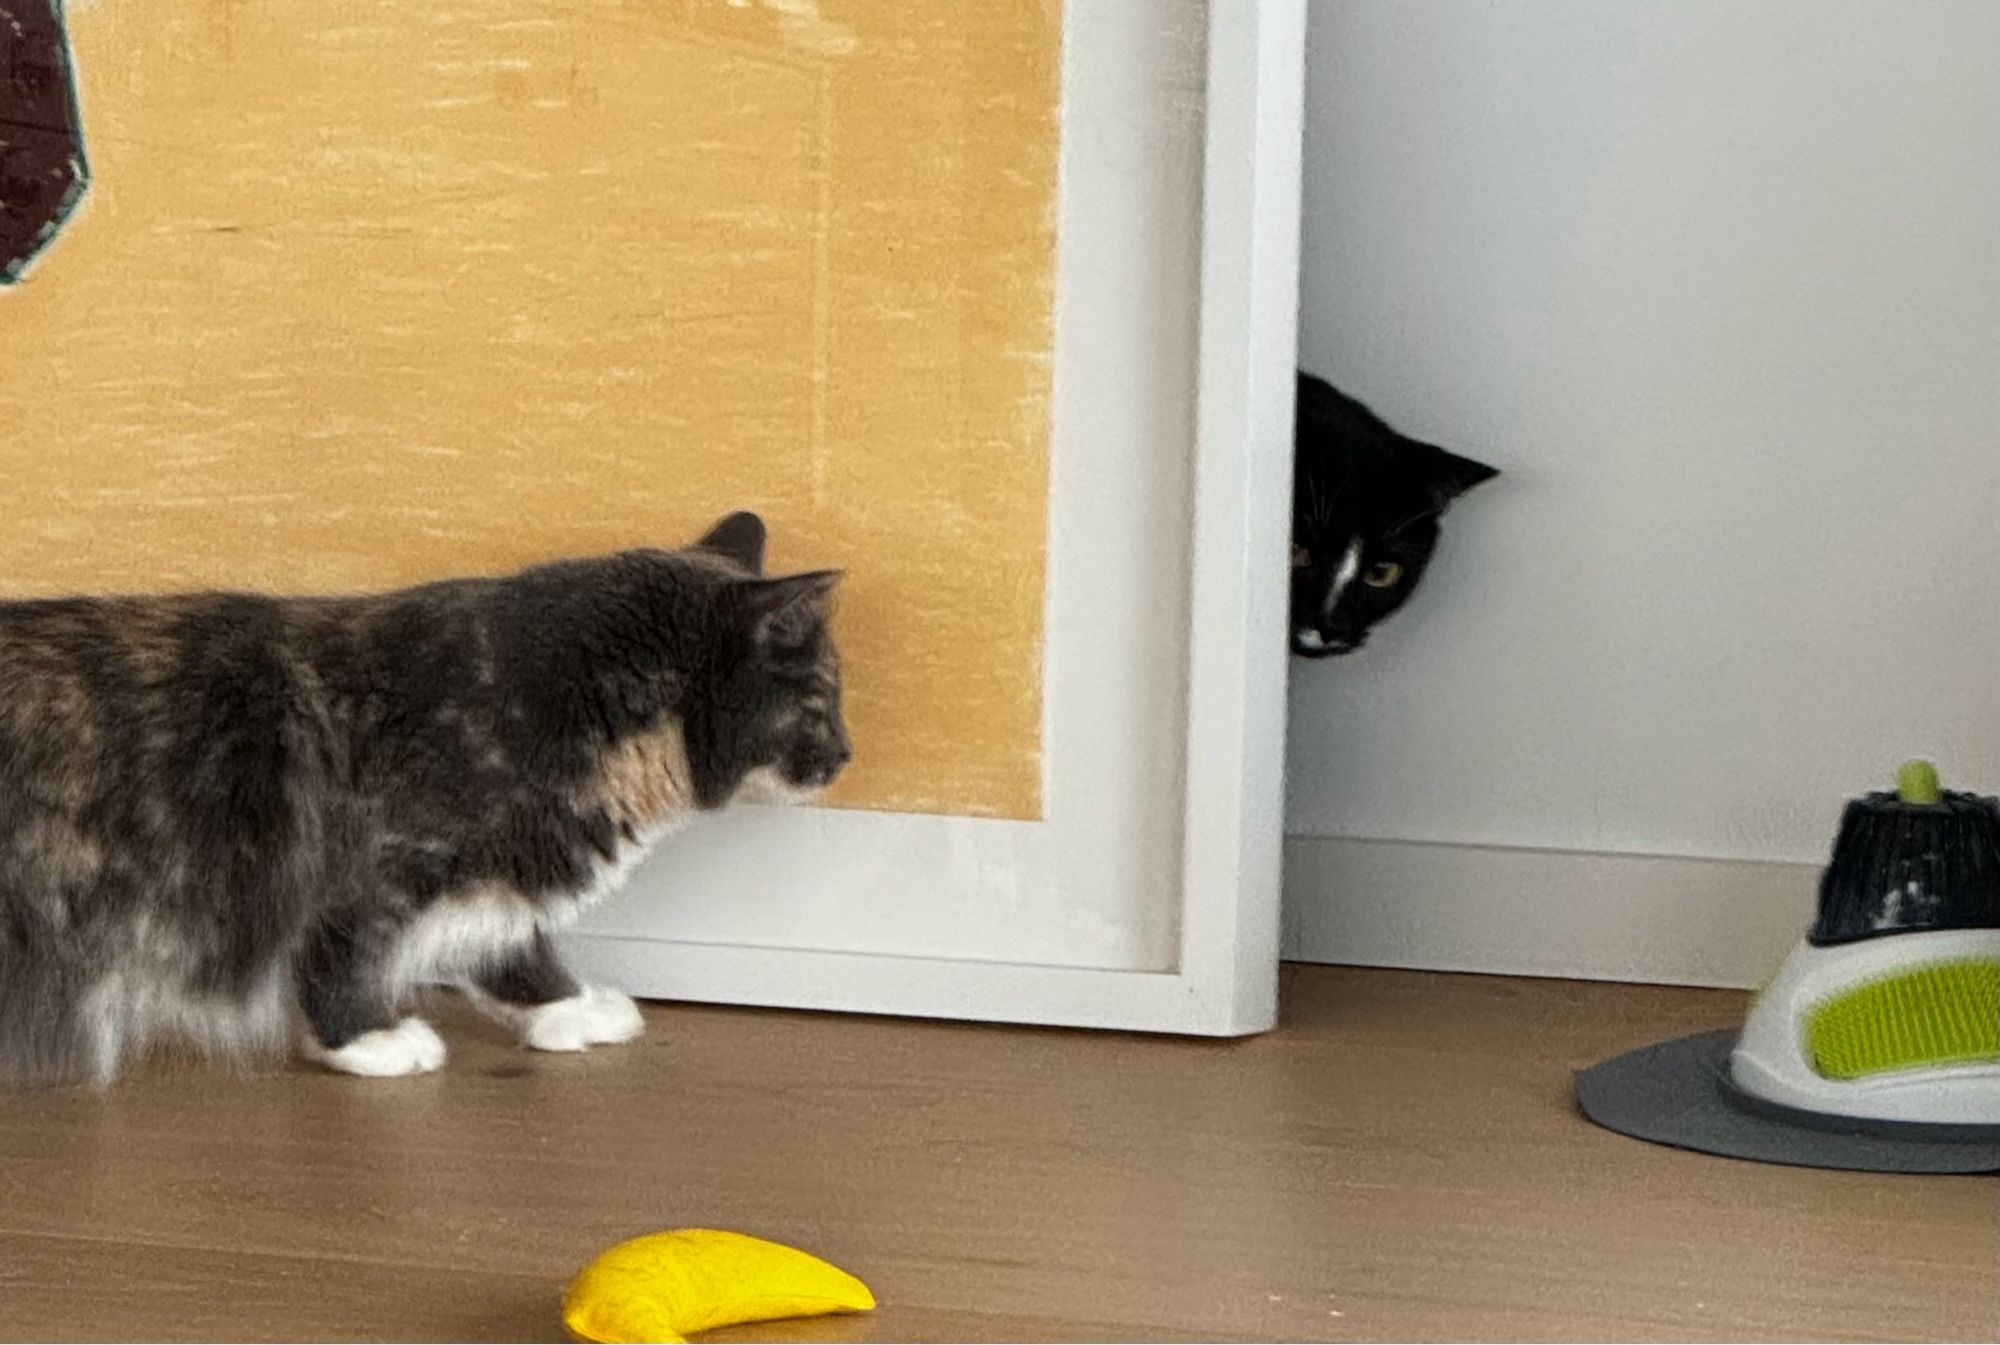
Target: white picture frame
{"x":1148,"y":896}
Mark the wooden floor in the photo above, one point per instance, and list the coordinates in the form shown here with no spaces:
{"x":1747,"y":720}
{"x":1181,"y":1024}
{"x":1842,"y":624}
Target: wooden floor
{"x":1400,"y":1161}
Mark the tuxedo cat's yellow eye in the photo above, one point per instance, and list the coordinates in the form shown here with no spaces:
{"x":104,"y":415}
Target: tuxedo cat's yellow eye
{"x":1382,"y":574}
{"x":1301,"y":557}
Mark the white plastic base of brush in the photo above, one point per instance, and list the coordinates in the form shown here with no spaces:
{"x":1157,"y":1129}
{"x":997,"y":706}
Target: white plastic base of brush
{"x":1772,"y":1060}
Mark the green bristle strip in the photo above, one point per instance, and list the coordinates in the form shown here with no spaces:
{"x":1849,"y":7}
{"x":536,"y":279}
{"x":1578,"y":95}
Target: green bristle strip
{"x":1947,"y":1013}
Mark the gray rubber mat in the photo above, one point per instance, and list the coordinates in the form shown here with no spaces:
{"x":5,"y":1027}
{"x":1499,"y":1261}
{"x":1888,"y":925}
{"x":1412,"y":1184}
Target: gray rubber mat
{"x":1678,"y":1092}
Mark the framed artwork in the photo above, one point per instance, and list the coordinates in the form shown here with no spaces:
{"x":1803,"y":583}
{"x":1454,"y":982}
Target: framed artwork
{"x":1145,"y":892}
{"x":988,"y":304}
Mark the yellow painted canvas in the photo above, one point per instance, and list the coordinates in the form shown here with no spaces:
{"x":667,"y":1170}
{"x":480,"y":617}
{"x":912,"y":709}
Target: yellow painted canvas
{"x":370,"y":293}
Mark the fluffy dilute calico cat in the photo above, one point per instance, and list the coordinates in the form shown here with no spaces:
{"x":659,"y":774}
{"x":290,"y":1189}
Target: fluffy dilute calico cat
{"x":1365,"y":508}
{"x":224,"y":815}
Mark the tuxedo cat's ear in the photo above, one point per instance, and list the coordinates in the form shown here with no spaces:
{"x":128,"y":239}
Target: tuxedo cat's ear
{"x":785,"y":611}
{"x":740,"y":538}
{"x":1449,"y":476}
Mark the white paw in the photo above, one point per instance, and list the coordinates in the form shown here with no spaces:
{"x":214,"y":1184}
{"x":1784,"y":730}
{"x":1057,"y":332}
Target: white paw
{"x":410,"y":1047}
{"x":588,"y":1019}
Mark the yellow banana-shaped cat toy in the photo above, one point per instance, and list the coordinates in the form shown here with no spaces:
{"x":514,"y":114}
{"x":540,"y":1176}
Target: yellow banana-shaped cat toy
{"x":665,"y":1286}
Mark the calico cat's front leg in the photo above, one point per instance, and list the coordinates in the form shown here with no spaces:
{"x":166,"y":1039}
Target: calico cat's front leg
{"x":530,"y":991}
{"x":349,"y":1005}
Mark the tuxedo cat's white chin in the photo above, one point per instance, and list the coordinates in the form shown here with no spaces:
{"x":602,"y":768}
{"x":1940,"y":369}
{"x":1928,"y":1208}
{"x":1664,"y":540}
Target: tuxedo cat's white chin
{"x":1316,"y":644}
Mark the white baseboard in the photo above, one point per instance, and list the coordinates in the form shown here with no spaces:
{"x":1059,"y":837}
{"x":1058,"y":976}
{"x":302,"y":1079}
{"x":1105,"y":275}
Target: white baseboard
{"x":1605,"y":917}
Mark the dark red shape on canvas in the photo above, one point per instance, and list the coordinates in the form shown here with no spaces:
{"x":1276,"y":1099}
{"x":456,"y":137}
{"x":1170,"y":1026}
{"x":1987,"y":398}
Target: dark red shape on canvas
{"x":42,"y":170}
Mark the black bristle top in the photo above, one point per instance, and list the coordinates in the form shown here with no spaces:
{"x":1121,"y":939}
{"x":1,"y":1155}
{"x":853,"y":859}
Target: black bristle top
{"x":1901,"y":866}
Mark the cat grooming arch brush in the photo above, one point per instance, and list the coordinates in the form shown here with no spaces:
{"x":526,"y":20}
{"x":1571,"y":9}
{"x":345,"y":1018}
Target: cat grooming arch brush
{"x":1876,"y":1047}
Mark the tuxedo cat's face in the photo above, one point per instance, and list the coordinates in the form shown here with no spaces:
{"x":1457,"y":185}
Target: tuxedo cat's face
{"x":1365,"y":510}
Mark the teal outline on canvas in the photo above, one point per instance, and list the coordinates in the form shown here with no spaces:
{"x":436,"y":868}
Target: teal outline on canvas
{"x":79,"y":161}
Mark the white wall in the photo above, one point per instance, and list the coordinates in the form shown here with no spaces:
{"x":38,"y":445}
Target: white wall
{"x":1718,"y":284}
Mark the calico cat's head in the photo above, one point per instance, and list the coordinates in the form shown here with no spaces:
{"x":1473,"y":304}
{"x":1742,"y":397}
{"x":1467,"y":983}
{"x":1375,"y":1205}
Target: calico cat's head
{"x":773,"y":729}
{"x":1365,"y":510}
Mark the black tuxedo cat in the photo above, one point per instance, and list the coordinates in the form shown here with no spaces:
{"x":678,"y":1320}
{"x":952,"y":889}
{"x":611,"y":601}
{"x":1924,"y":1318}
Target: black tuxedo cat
{"x":1365,"y":508}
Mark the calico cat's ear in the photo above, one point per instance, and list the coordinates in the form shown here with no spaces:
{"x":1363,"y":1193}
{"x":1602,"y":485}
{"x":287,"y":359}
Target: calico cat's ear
{"x":1448,"y":476}
{"x":785,"y":611}
{"x":740,"y":538}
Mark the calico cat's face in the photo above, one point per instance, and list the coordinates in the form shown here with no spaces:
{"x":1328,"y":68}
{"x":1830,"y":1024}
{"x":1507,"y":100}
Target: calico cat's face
{"x":774,"y":727}
{"x":1365,"y":510}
